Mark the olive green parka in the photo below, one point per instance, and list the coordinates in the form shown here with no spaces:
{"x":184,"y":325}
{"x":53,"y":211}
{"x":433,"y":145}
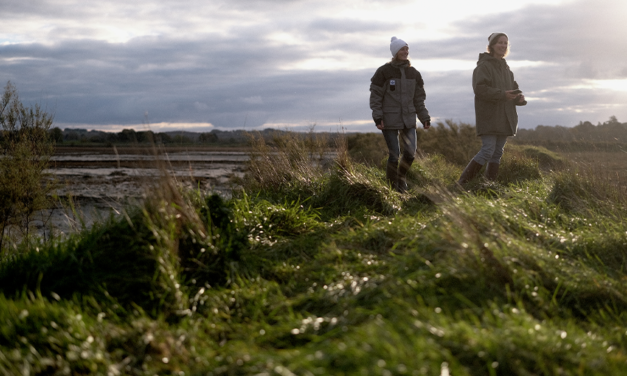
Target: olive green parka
{"x":494,"y":114}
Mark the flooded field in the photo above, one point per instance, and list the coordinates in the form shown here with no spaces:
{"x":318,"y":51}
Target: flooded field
{"x":110,"y":173}
{"x":102,"y":180}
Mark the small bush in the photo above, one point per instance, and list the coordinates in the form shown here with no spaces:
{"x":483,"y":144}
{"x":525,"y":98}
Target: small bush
{"x":367,"y":148}
{"x":517,"y":167}
{"x":585,"y":190}
{"x":25,"y":150}
{"x":547,"y":160}
{"x":457,"y":143}
{"x":291,"y":161}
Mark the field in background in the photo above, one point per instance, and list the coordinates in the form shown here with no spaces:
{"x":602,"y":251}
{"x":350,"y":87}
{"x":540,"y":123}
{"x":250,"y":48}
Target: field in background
{"x":315,"y":266}
{"x":611,"y":163}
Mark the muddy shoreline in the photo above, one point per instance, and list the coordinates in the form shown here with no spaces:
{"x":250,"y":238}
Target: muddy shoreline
{"x":102,"y":181}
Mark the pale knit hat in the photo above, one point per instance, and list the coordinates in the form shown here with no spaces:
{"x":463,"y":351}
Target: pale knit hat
{"x":494,"y":35}
{"x":396,"y":44}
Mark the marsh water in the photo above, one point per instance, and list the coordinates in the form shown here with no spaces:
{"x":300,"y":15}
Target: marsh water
{"x":102,"y":180}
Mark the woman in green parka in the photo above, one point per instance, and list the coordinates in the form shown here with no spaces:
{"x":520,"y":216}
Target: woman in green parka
{"x":496,"y":98}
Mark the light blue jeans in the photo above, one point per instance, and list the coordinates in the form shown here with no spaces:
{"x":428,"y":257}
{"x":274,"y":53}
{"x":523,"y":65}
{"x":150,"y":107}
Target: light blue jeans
{"x":491,"y":149}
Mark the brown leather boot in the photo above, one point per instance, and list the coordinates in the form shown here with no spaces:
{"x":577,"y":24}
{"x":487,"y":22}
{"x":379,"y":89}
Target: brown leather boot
{"x":492,"y":171}
{"x":469,"y":172}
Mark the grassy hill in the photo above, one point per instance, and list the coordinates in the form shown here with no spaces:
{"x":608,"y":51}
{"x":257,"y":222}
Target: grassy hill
{"x":317,"y":268}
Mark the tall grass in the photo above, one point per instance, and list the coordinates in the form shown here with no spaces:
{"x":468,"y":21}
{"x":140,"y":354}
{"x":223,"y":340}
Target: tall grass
{"x":325,"y":270}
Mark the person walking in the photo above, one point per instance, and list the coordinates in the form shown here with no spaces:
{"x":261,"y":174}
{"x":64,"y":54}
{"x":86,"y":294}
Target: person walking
{"x":496,"y":98}
{"x":397,"y":96}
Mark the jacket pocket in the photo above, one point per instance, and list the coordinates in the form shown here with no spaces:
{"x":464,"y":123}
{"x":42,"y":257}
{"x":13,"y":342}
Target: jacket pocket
{"x":393,"y":95}
{"x":392,"y":117}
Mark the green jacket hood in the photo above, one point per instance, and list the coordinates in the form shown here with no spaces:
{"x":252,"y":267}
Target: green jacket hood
{"x":485,"y":57}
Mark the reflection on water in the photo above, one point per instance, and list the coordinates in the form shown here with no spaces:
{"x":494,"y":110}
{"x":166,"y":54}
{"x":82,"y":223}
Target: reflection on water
{"x":216,"y":157}
{"x":191,"y":171}
{"x":102,"y":183}
{"x":101,"y":174}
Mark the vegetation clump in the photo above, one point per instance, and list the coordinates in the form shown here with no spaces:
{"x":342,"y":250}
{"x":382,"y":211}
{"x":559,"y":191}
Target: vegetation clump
{"x":25,"y":151}
{"x":323,"y":269}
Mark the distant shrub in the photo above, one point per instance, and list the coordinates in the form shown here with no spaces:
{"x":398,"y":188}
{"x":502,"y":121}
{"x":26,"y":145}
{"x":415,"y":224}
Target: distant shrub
{"x":547,"y":160}
{"x":584,"y":190}
{"x":517,"y":167}
{"x":367,"y":148}
{"x":24,"y":155}
{"x":289,"y":160}
{"x":457,"y":143}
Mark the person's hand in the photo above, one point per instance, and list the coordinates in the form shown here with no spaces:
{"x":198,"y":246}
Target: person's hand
{"x":426,"y":125}
{"x":511,"y":95}
{"x":520,"y":98}
{"x":381,"y":126}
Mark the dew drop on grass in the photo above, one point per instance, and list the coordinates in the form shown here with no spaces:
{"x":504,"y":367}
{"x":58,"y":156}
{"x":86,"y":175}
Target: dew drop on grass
{"x":495,"y":364}
{"x":165,"y":360}
{"x":438,"y":310}
{"x":295,"y":331}
{"x":563,"y":335}
{"x":438,"y":275}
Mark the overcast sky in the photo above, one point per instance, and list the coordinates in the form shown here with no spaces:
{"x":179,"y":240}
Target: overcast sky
{"x":252,"y":64}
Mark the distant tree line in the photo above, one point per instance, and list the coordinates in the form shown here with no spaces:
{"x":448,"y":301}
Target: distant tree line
{"x":130,"y":136}
{"x":585,"y":133}
{"x":609,"y":131}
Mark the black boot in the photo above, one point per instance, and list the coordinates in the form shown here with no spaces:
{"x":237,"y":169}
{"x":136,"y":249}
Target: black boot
{"x":391,"y":174}
{"x":492,"y":171}
{"x":469,"y":172}
{"x":404,"y":166}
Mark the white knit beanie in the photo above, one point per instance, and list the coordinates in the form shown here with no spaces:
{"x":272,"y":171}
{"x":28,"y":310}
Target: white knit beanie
{"x":396,"y":44}
{"x":494,"y":35}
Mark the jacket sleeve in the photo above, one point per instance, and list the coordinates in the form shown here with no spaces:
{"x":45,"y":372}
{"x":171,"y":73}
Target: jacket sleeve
{"x":419,"y":101}
{"x":516,"y":87}
{"x":482,"y":85}
{"x":376,"y":96}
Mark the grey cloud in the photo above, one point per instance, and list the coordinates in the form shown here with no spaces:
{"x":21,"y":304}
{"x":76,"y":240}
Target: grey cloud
{"x":234,"y":80}
{"x":337,"y":27}
{"x":97,"y":82}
